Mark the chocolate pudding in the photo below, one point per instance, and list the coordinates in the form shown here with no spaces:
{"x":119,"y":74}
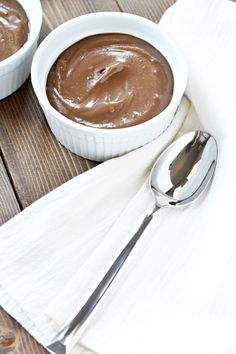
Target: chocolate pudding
{"x":14,"y":28}
{"x":110,"y":81}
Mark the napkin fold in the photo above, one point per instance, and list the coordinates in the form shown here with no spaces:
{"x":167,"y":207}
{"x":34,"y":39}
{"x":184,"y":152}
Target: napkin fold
{"x":177,"y":291}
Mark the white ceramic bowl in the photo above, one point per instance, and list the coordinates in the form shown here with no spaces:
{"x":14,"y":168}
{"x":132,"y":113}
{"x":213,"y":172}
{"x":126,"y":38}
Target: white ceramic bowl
{"x":95,"y":143}
{"x":15,"y":69}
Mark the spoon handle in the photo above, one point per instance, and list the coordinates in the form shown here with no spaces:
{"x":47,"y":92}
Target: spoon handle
{"x":67,"y":332}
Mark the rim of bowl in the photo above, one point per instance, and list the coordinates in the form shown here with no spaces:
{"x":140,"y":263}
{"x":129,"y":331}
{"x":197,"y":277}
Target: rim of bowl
{"x":33,"y":35}
{"x":42,"y":97}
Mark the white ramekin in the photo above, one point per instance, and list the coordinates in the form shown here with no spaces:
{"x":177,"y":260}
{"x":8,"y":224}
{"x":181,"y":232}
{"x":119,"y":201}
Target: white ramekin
{"x":15,"y":69}
{"x":94,"y":143}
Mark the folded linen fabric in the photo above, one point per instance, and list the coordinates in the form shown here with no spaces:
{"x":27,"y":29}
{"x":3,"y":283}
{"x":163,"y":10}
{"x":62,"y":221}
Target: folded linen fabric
{"x":44,"y":247}
{"x":176,"y":292}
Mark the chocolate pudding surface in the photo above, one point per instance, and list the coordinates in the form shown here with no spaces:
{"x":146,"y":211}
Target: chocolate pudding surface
{"x":110,"y":81}
{"x":14,"y":27}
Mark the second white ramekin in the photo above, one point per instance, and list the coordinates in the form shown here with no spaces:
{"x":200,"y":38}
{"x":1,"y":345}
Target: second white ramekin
{"x":94,"y":143}
{"x":15,"y":69}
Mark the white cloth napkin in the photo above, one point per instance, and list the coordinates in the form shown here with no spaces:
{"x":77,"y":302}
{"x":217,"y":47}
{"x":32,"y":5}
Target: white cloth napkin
{"x":177,"y":291}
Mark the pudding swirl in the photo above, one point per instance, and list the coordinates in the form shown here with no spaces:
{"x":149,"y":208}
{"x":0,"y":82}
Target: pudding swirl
{"x":110,"y":81}
{"x":13,"y":28}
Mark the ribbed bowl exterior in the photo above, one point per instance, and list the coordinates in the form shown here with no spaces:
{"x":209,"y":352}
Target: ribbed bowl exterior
{"x":101,"y":148}
{"x":17,"y":74}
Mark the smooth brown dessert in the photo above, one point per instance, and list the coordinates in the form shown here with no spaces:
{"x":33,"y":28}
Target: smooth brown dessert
{"x":14,"y":28}
{"x":110,"y":81}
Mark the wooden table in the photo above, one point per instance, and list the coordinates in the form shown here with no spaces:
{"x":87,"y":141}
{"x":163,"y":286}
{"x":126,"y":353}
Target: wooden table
{"x":32,"y":162}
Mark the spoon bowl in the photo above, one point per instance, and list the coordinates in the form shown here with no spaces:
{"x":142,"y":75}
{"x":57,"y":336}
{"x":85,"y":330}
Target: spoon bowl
{"x":182,"y":172}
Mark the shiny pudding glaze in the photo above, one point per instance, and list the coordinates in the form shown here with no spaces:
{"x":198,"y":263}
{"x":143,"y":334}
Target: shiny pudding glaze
{"x":14,"y":28}
{"x":110,"y":81}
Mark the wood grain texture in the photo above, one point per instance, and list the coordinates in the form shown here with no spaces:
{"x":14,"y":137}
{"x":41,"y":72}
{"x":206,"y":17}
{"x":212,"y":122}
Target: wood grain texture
{"x":8,"y":201}
{"x":14,"y":339}
{"x":151,"y":9}
{"x":56,"y":12}
{"x":36,"y":163}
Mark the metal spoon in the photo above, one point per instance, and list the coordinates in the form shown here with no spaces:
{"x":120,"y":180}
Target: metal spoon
{"x":181,"y":173}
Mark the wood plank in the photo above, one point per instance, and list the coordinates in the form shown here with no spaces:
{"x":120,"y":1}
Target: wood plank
{"x":9,"y":206}
{"x":14,"y":339}
{"x":36,"y":161}
{"x":152,"y":9}
{"x":57,"y":12}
